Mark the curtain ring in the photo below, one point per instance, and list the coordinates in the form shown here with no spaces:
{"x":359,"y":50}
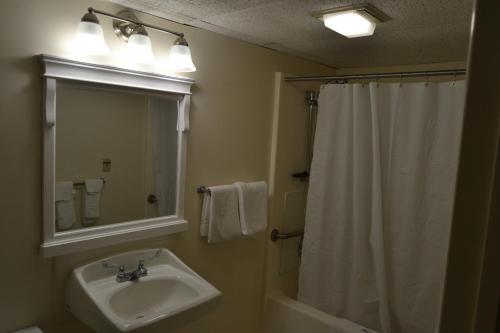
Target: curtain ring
{"x":454,"y":79}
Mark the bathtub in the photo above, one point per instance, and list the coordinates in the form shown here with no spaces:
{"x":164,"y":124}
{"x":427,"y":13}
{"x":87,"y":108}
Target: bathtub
{"x":286,"y":315}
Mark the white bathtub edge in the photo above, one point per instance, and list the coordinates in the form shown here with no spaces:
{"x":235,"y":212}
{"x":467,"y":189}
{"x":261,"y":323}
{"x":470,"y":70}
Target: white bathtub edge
{"x":336,"y":324}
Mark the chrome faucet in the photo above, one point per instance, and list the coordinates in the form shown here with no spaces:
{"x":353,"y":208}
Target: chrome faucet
{"x":134,"y":275}
{"x":123,"y":276}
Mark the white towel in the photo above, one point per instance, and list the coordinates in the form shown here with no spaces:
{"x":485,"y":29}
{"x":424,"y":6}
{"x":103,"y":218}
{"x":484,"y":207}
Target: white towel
{"x":65,"y":207}
{"x":205,"y":213}
{"x":93,"y":188}
{"x":221,"y":208}
{"x":252,"y":199}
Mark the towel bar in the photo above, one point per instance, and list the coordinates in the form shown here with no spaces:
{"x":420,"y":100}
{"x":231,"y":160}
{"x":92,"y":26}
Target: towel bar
{"x":83,"y":183}
{"x":275,"y":234}
{"x":203,"y":189}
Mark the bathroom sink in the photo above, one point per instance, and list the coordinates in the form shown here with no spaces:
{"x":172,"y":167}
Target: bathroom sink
{"x":170,"y":287}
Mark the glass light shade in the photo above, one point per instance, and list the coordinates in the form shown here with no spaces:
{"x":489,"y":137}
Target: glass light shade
{"x":89,"y":39}
{"x":180,"y":59}
{"x":139,"y":49}
{"x":350,"y":23}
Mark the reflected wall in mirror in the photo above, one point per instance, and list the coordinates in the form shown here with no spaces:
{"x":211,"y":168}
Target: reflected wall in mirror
{"x":116,"y":155}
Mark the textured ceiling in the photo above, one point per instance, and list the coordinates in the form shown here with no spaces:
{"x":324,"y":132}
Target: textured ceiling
{"x":421,"y":31}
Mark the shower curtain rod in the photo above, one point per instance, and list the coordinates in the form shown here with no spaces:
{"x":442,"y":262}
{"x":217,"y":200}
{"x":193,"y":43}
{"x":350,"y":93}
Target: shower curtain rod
{"x":400,"y":75}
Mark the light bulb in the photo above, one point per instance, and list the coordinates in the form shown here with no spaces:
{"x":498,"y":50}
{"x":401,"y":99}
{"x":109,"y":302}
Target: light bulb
{"x":89,"y":39}
{"x":350,"y":23}
{"x":138,"y":49}
{"x":179,"y":59}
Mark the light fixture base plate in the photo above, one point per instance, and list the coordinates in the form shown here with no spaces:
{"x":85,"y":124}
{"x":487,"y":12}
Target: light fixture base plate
{"x":124,"y":29}
{"x":365,"y":8}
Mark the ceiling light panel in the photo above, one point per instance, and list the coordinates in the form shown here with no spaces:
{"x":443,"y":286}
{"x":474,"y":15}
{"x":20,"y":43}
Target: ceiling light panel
{"x":352,"y":21}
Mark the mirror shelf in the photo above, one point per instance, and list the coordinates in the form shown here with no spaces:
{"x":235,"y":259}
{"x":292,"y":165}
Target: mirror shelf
{"x":63,"y":80}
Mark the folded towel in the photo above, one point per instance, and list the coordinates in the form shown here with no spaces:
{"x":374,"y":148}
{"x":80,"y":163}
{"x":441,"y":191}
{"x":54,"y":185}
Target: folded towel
{"x":205,"y":213}
{"x":93,"y":188}
{"x":252,"y":199}
{"x":94,"y":185}
{"x":65,"y":208}
{"x":223,"y":217}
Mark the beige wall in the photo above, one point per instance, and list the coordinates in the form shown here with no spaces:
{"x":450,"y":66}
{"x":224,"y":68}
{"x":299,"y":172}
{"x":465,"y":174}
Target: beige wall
{"x":288,"y":156}
{"x":229,"y":140}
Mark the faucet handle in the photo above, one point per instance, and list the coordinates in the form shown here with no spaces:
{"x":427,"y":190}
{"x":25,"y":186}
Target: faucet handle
{"x":141,"y":269}
{"x":141,"y":266}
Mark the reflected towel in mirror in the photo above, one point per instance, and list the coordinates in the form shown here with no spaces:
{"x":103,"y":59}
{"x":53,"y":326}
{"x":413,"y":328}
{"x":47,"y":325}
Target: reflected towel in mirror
{"x":65,"y":208}
{"x":93,"y":188}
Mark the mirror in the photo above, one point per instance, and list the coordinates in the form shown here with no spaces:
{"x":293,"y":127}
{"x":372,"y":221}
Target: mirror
{"x":116,"y":152}
{"x":114,"y":155}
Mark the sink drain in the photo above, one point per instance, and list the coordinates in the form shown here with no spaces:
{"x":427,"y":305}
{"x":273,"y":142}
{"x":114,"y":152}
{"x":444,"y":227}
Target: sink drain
{"x":139,"y":317}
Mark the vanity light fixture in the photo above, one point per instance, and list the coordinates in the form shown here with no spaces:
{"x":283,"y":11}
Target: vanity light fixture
{"x":352,"y":21}
{"x":128,"y":28}
{"x":89,"y":37}
{"x":180,"y":57}
{"x":139,"y":47}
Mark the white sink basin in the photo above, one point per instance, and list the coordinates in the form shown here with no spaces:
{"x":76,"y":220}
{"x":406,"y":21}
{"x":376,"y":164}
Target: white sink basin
{"x":95,"y":297}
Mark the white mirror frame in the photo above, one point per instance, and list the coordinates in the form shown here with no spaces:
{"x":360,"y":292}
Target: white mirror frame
{"x":55,"y":68}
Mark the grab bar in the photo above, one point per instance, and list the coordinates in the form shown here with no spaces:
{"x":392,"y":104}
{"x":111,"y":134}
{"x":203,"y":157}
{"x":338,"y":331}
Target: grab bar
{"x":275,"y":234}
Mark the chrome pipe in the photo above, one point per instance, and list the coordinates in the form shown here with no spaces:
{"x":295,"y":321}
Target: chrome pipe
{"x":312,"y":103}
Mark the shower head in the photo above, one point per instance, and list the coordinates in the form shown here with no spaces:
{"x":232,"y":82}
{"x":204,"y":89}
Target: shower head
{"x":311,"y":98}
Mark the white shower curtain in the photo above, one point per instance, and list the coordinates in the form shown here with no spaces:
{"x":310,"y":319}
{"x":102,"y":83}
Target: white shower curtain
{"x":380,"y":203}
{"x":164,"y":154}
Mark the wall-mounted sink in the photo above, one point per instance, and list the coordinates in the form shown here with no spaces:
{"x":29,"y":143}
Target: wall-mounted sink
{"x":170,"y":287}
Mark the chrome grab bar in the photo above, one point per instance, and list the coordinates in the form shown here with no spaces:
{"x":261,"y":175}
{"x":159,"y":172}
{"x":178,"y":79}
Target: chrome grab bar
{"x":275,"y":234}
